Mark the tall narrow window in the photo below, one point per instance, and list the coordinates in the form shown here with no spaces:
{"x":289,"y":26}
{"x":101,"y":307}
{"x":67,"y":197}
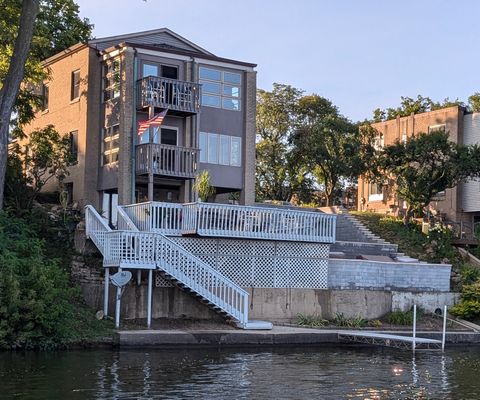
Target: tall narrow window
{"x":45,"y":93}
{"x":203,"y":147}
{"x":73,"y":136}
{"x":111,"y":80}
{"x":75,"y":85}
{"x":236,"y":150}
{"x":224,"y":153}
{"x":110,"y":144}
{"x":212,"y":148}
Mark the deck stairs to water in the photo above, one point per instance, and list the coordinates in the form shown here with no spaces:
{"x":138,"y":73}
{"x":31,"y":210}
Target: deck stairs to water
{"x":133,"y":249}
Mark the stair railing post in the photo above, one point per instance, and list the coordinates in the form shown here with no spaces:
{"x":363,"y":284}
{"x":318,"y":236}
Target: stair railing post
{"x":444,"y":330}
{"x":117,"y":305}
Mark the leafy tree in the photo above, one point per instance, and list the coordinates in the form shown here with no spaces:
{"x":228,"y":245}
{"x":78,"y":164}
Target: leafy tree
{"x":38,"y":29}
{"x":203,"y":187}
{"x":410,"y":106}
{"x":329,"y":144}
{"x":279,"y":175}
{"x":46,"y":156}
{"x":474,"y":102}
{"x":425,"y":165}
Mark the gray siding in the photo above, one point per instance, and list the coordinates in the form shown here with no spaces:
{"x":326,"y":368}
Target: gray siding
{"x":471,"y":188}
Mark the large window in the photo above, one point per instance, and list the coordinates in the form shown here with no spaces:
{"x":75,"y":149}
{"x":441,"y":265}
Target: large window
{"x":220,"y":89}
{"x":161,"y":135}
{"x":110,"y":144}
{"x":111,"y":80}
{"x":165,"y":71}
{"x":220,"y":149}
{"x":75,"y":85}
{"x":375,"y":192}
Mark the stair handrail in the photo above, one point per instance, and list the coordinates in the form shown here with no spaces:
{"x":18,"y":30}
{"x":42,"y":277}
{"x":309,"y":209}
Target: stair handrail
{"x":96,"y":227}
{"x":124,"y":222}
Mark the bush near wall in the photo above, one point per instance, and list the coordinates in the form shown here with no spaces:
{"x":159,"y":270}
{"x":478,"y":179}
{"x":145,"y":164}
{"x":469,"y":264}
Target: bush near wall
{"x":39,"y":307}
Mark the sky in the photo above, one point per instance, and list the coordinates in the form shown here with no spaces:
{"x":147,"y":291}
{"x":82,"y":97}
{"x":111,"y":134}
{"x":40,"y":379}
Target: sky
{"x":360,"y":54}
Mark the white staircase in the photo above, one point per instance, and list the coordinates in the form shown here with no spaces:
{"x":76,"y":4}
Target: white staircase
{"x":130,"y":248}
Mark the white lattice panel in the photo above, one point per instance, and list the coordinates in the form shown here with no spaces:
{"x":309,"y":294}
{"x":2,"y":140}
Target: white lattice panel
{"x":264,"y":264}
{"x":160,"y":281}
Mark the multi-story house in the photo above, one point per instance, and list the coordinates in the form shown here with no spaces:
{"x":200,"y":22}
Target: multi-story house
{"x":458,"y":204}
{"x":99,"y":92}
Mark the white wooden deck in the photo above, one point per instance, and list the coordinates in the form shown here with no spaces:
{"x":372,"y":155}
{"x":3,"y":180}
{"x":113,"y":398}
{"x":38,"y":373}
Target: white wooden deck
{"x":233,"y":221}
{"x":389,"y":340}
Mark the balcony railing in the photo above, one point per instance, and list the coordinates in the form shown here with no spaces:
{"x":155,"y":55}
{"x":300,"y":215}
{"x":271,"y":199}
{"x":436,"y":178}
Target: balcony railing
{"x":175,"y":95}
{"x":166,"y":160}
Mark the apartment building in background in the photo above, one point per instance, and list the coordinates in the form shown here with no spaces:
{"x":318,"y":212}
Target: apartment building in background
{"x":458,"y":204}
{"x":99,"y":92}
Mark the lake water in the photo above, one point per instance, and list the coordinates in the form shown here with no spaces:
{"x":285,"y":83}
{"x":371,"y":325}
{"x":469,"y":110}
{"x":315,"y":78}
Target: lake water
{"x":287,"y":373}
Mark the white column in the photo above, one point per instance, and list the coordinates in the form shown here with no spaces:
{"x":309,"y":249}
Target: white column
{"x":105,"y":292}
{"x":149,"y":299}
{"x":117,"y":305}
{"x":414,"y":326}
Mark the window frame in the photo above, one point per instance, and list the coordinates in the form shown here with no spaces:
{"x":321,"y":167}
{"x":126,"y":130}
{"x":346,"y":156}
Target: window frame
{"x":45,"y":98}
{"x":205,"y":149}
{"x":111,"y":77}
{"x":73,"y":145}
{"x":107,"y":152}
{"x":223,"y":83}
{"x":75,"y":85}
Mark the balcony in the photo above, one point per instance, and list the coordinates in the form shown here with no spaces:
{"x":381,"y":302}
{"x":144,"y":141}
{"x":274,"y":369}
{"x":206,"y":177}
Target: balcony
{"x":179,"y":97}
{"x":166,"y":160}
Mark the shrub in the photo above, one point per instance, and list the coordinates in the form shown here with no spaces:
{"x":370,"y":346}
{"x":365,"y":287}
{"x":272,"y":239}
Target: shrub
{"x":469,"y":309}
{"x":469,"y":274}
{"x":355,"y":322}
{"x":39,"y":308}
{"x":311,"y":320}
{"x":403,"y":317}
{"x":375,"y":323}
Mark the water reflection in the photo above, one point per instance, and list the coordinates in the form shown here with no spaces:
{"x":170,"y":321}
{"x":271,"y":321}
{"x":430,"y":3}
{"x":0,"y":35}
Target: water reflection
{"x":313,"y":373}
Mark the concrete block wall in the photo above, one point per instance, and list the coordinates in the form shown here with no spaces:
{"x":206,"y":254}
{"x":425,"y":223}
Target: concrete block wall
{"x":362,"y":274}
{"x":353,"y":249}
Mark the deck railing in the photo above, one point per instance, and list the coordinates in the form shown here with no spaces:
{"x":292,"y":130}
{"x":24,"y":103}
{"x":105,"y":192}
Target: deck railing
{"x":167,"y":160}
{"x":223,"y":220}
{"x":96,"y":227}
{"x":167,"y":93}
{"x":165,"y":218}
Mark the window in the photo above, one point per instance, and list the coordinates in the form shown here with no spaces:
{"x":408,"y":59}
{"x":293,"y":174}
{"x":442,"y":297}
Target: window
{"x":404,"y":137}
{"x":44,"y":94}
{"x":220,"y":149}
{"x":111,"y":80}
{"x":165,"y":71}
{"x":73,"y":137}
{"x":162,"y":135}
{"x":220,"y":89}
{"x":110,"y":144}
{"x":436,"y":128}
{"x":375,"y":192}
{"x":75,"y":85}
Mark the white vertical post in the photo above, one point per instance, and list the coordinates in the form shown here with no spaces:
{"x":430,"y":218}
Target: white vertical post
{"x":444,"y":331}
{"x":105,"y":292}
{"x":139,"y":276}
{"x":414,"y":325}
{"x":149,"y":299}
{"x":117,"y":308}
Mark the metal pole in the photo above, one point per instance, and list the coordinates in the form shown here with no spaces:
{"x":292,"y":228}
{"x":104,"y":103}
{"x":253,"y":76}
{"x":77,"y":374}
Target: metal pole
{"x":149,"y":299}
{"x":444,"y":332}
{"x":105,"y":292}
{"x":414,"y":325}
{"x":139,"y":276}
{"x":117,"y":308}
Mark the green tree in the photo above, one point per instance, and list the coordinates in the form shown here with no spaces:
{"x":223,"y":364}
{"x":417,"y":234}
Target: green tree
{"x":425,"y":165}
{"x":47,"y":155}
{"x":330,"y":145}
{"x":409,"y":106}
{"x":474,"y":102}
{"x":38,"y":29}
{"x":278,"y":176}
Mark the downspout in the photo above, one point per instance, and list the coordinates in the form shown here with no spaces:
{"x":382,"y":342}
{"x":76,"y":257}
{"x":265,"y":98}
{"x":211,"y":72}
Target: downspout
{"x":134,"y":123}
{"x":193,"y":194}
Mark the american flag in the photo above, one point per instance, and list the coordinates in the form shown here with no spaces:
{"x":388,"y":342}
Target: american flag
{"x":155,"y":121}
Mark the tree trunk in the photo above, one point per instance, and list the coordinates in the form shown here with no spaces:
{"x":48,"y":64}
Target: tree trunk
{"x":408,"y":214}
{"x":13,"y":79}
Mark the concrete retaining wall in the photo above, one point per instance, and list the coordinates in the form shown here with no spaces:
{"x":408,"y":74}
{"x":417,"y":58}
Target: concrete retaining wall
{"x":430,"y":302}
{"x":353,"y":249}
{"x":363,"y":274}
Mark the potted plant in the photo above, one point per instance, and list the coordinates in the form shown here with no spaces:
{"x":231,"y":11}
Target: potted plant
{"x":202,"y":186}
